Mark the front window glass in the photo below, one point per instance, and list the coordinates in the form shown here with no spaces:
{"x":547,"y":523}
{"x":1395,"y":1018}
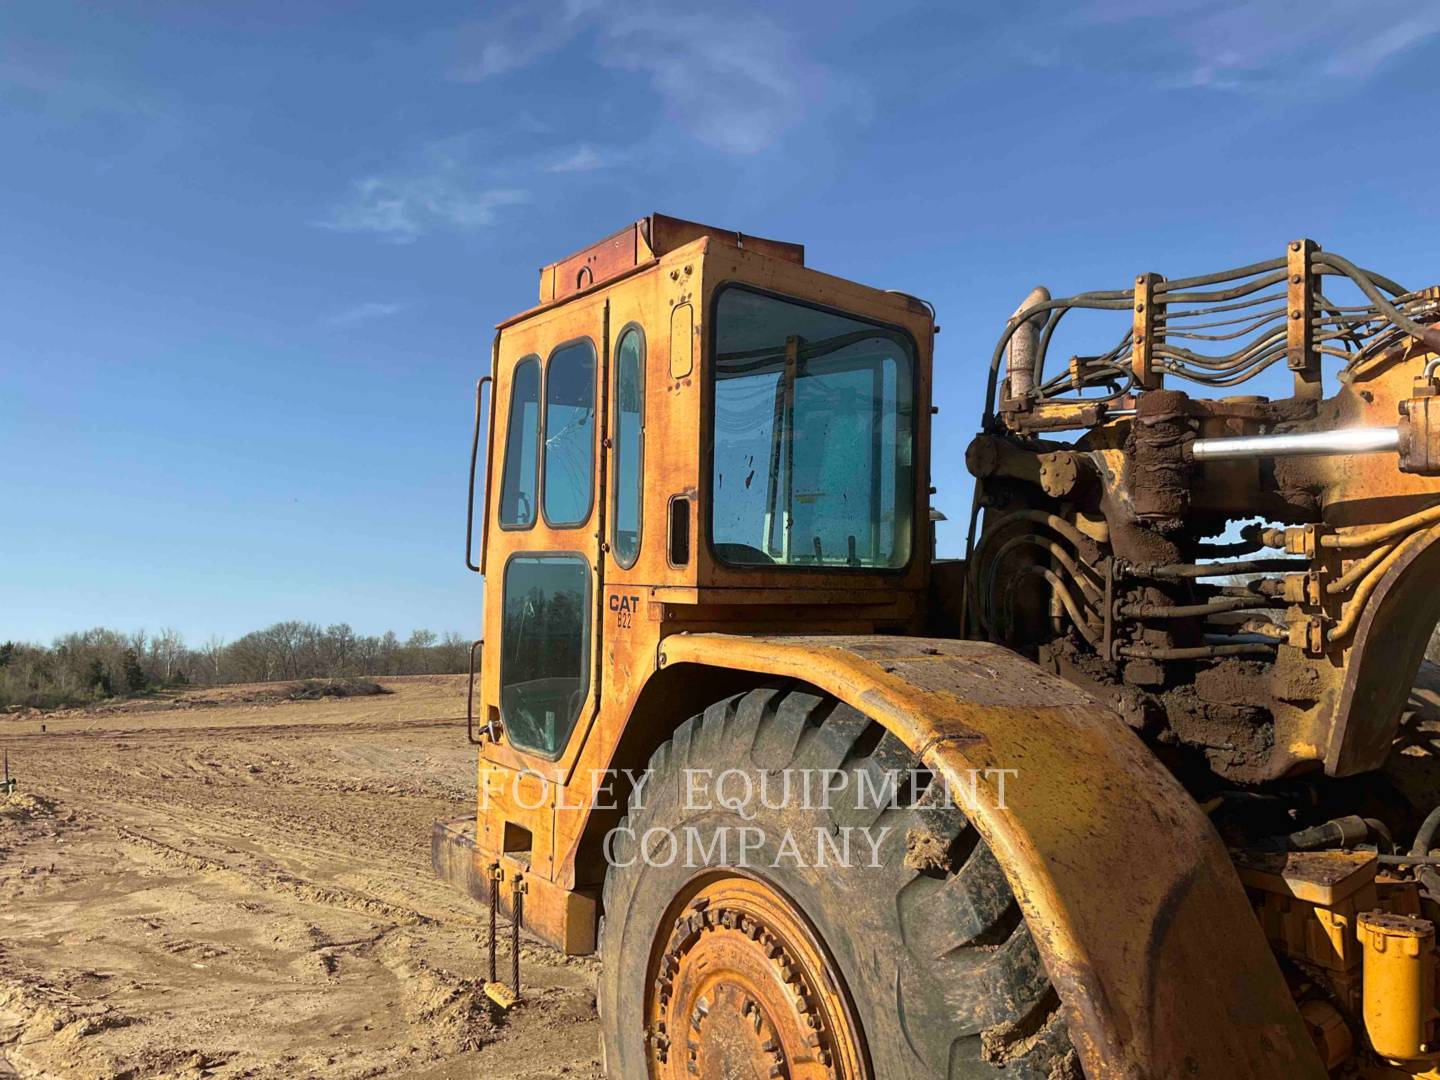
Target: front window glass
{"x":569,"y":434}
{"x":545,"y":647}
{"x":522,"y":439}
{"x":814,"y":427}
{"x":629,"y":435}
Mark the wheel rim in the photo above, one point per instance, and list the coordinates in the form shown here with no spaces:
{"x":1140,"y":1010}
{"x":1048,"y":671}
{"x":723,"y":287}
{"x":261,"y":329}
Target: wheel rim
{"x":741,"y":986}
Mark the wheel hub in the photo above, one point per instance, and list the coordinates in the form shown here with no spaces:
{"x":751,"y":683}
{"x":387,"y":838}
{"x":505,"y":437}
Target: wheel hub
{"x":742,"y":988}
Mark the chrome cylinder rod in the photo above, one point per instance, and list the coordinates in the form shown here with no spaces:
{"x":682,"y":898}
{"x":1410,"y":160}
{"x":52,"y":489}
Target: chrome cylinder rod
{"x":1346,"y":441}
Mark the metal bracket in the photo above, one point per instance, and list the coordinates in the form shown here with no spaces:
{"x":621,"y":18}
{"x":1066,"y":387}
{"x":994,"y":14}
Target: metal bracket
{"x":1144,"y":332}
{"x":1300,"y":354}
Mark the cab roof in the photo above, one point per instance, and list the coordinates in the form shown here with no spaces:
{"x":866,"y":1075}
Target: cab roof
{"x":649,"y":238}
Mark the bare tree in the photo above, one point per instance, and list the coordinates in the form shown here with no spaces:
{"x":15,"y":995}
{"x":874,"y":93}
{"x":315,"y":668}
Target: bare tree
{"x":214,"y":654}
{"x":167,"y":648}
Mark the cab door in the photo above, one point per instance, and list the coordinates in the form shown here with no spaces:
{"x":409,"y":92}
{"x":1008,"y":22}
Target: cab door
{"x":542,"y":566}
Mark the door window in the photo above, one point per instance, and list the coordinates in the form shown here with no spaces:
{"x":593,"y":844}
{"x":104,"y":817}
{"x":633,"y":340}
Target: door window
{"x":629,"y":446}
{"x":545,"y":650}
{"x":522,"y":438}
{"x":569,"y":434}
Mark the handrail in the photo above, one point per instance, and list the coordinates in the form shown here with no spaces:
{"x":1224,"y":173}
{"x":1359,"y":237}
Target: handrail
{"x":470,"y":563}
{"x":470,"y":697}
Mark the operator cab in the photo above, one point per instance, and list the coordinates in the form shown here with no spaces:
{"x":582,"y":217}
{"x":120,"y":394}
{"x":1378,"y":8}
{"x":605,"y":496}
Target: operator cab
{"x":692,"y":429}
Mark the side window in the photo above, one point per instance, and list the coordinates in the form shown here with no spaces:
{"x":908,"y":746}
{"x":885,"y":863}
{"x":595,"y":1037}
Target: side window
{"x":545,"y":649}
{"x":569,"y":434}
{"x":629,"y":446}
{"x":813,"y":436}
{"x":522,"y":439}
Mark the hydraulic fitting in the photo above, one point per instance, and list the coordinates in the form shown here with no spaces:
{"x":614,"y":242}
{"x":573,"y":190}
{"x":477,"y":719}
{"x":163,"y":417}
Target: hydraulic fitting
{"x":1420,"y":435}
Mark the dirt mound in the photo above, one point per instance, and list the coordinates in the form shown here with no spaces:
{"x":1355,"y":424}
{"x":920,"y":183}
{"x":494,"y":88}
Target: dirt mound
{"x":315,"y":689}
{"x":24,"y":806}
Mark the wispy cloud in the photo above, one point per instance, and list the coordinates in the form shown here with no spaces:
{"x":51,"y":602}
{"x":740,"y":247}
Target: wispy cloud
{"x":583,"y":158}
{"x":517,"y":36}
{"x":369,"y":311}
{"x":1267,"y":46}
{"x":733,"y":80}
{"x":737,"y":82}
{"x":56,"y":87}
{"x":442,"y":191}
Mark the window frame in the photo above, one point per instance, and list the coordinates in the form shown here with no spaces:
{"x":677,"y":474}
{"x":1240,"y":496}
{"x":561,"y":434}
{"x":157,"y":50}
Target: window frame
{"x":541,"y":474}
{"x":712,"y":334}
{"x":639,"y":331}
{"x":538,"y":509}
{"x":587,"y":650}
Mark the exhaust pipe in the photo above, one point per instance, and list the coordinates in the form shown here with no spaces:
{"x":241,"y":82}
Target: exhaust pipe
{"x":1024,"y":345}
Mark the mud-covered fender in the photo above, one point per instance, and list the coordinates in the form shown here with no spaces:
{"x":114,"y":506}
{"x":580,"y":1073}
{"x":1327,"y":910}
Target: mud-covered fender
{"x":1143,"y":924}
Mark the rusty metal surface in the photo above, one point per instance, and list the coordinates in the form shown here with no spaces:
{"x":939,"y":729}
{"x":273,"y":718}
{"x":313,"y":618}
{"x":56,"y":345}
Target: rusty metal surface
{"x":742,"y":987}
{"x":644,"y":241}
{"x":1332,"y":694}
{"x":594,"y":265}
{"x":1389,"y":645}
{"x":1317,"y":877}
{"x":1122,"y":880}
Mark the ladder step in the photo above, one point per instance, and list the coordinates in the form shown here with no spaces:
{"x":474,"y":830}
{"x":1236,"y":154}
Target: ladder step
{"x":500,"y":994}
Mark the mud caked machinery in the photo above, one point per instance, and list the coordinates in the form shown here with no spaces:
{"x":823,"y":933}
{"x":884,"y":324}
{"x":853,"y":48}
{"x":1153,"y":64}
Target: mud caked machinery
{"x":1186,"y":632}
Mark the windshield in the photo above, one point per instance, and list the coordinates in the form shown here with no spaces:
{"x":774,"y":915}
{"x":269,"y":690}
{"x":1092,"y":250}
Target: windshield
{"x":814,"y":422}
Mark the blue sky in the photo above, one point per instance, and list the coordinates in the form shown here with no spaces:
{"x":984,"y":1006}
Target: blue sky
{"x":252,"y":253}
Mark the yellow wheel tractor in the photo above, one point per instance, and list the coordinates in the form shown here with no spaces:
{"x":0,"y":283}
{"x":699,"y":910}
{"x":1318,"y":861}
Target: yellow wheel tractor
{"x":1140,"y":788}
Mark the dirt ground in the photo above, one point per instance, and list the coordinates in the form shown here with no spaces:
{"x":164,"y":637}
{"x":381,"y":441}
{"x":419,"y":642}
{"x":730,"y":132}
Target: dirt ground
{"x":219,"y":883}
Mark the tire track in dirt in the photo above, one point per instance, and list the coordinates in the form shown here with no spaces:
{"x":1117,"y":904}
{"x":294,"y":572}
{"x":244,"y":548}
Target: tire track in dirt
{"x":255,"y":900}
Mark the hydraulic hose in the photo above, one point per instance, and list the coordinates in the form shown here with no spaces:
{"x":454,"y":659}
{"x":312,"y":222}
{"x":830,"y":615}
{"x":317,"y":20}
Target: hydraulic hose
{"x":1346,"y":580}
{"x":1197,"y":652}
{"x":1092,"y":593}
{"x":1204,"y":570}
{"x":993,"y":528}
{"x":1424,"y":840}
{"x":1378,"y":534}
{"x":1071,"y":608}
{"x":1194,"y":611}
{"x":1351,"y":616}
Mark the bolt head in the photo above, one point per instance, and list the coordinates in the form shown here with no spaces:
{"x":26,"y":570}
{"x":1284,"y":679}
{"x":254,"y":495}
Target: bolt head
{"x":1139,"y":307}
{"x":1296,"y":279}
{"x":1297,"y":313}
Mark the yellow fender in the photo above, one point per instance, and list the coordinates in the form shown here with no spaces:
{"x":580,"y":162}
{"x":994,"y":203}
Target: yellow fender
{"x":1142,"y":922}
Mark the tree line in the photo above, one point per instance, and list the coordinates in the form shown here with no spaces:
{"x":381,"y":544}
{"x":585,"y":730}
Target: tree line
{"x":101,"y":663}
{"x":94,"y":664}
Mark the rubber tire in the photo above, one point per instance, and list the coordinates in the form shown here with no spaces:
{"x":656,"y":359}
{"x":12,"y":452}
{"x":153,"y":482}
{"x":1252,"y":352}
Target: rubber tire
{"x":939,"y":964}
